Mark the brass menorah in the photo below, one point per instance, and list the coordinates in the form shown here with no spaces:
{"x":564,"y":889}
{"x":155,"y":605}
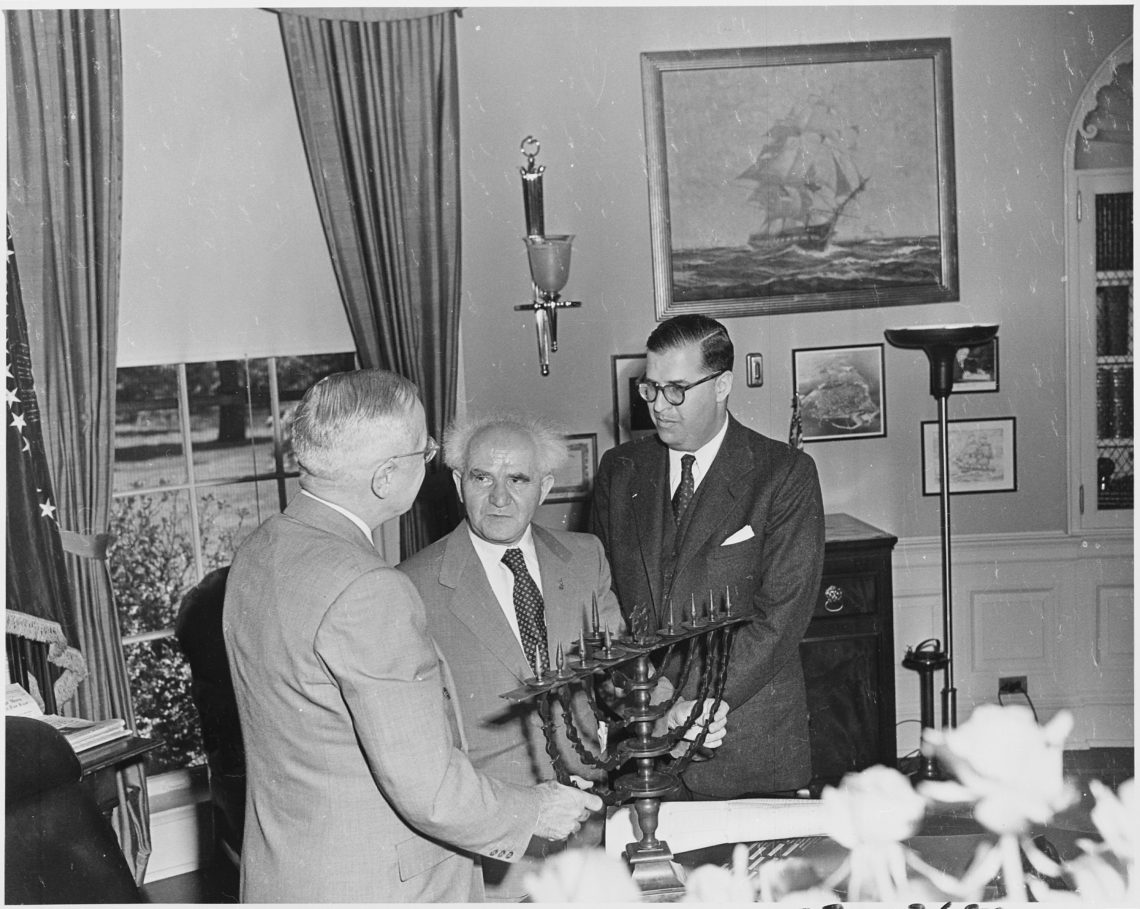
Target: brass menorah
{"x":600,"y":664}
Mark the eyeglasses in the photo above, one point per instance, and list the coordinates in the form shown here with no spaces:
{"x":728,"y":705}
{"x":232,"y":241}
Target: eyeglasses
{"x":674,"y":391}
{"x":426,"y":453}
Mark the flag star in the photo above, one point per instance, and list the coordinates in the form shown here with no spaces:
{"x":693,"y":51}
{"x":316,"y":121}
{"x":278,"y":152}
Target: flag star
{"x":13,"y":396}
{"x":19,"y":422}
{"x":47,"y":510}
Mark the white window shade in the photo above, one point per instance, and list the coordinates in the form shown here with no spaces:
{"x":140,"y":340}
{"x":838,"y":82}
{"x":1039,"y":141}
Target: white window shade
{"x":223,"y":255}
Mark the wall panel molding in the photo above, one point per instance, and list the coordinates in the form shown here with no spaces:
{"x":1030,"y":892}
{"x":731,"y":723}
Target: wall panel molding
{"x":1057,"y":609}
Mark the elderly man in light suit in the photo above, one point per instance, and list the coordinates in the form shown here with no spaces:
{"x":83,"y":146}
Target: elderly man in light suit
{"x":503,"y":466}
{"x":707,"y":505}
{"x":358,"y":788}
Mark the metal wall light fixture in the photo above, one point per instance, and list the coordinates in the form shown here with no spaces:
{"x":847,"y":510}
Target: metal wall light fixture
{"x":549,"y":258}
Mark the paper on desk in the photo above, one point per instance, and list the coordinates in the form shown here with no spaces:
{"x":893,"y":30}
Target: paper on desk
{"x":694,"y":825}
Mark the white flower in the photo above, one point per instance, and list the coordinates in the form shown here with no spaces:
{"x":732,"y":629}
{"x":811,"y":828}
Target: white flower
{"x":1117,"y":817}
{"x":582,"y":876}
{"x":713,"y":884}
{"x":874,"y":807}
{"x":1005,"y":763}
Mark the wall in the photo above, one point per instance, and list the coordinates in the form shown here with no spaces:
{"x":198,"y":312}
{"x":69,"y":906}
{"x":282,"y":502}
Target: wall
{"x":1017,"y":72}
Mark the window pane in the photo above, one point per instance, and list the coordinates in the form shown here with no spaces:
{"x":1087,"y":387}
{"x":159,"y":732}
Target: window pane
{"x":223,"y":435}
{"x":152,"y":559}
{"x":160,"y":689}
{"x":148,"y":436}
{"x":228,"y":514}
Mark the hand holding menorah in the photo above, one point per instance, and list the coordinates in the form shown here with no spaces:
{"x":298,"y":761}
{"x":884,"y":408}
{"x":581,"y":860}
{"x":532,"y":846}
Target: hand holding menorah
{"x":603,"y":666}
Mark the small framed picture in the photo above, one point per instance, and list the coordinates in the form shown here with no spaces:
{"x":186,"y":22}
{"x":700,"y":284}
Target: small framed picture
{"x":976,"y":369}
{"x":983,"y":456}
{"x":840,"y":392}
{"x":631,"y":413}
{"x":574,"y":479}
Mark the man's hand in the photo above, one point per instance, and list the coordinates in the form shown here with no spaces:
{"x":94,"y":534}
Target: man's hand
{"x":717,"y":725}
{"x":562,"y":810}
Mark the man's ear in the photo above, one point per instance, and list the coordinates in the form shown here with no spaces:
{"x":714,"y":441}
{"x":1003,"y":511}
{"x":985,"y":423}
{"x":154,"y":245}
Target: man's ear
{"x":547,"y":485}
{"x":457,"y":477}
{"x":723,"y":384}
{"x":382,"y":479}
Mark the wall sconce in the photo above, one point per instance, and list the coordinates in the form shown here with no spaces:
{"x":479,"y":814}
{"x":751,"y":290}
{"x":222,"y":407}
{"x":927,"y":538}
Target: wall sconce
{"x":549,"y":258}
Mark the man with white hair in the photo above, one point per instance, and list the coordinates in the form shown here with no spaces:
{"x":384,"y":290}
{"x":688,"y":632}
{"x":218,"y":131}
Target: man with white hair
{"x":502,"y":593}
{"x":358,"y":787}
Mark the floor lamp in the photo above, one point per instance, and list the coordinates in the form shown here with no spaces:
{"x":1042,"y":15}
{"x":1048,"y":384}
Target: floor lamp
{"x":941,"y":344}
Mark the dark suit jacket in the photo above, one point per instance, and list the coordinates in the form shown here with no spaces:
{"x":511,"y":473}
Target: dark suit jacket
{"x":358,"y":790}
{"x":754,"y":482}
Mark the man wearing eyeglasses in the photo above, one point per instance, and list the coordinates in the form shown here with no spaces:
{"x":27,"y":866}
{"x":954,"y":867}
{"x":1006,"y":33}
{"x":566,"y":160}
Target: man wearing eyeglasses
{"x":358,"y":785}
{"x":503,"y":593}
{"x":707,"y":507}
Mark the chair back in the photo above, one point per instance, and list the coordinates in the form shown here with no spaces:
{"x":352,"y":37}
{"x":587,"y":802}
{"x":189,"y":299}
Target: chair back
{"x":58,"y":846}
{"x":198,"y":629}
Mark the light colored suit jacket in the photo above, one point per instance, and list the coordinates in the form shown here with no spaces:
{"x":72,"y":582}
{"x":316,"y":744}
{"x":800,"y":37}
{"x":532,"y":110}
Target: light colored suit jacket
{"x":468,"y":624}
{"x":766,"y":495}
{"x":357,"y":790}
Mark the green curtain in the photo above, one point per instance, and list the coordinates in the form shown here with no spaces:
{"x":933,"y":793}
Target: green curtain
{"x":377,"y":101}
{"x":65,"y":164}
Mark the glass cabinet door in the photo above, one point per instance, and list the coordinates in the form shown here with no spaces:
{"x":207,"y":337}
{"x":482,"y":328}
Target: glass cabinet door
{"x":1105,"y":418}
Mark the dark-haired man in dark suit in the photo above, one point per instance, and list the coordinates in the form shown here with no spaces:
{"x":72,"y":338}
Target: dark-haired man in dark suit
{"x":705,"y":505}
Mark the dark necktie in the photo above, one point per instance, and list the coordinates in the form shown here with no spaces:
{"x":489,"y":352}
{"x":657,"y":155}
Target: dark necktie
{"x":684,"y":493}
{"x":529,"y":611}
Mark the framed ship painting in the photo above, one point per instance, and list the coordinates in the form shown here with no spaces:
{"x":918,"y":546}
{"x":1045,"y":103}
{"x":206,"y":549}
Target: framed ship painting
{"x":983,"y":456}
{"x":797,"y":179}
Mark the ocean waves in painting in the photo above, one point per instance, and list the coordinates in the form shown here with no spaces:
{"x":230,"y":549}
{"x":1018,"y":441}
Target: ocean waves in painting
{"x":734,"y":273}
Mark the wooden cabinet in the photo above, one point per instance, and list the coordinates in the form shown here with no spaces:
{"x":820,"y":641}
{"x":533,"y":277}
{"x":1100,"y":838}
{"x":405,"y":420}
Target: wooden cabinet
{"x":849,"y":655}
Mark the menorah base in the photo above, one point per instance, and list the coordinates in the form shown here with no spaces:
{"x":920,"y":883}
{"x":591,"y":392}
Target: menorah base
{"x":653,"y":871}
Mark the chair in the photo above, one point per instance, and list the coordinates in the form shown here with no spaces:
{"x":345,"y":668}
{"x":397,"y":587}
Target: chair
{"x":58,"y":846}
{"x":198,"y":629}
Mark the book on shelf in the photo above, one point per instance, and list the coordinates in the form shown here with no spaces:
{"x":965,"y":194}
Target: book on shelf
{"x":81,"y":734}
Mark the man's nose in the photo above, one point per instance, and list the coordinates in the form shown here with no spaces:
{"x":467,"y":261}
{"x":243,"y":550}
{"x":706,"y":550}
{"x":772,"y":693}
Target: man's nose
{"x":499,"y":496}
{"x":660,"y":405}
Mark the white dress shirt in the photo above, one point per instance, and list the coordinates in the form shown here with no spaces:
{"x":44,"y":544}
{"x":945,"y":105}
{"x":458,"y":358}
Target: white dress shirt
{"x":499,"y":575}
{"x":704,"y":458}
{"x":364,"y":528}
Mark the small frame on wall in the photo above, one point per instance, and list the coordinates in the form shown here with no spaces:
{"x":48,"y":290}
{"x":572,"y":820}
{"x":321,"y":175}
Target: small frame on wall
{"x":976,"y":369}
{"x":983,"y":456}
{"x":574,"y":479}
{"x":793,"y":179}
{"x":631,"y":412}
{"x":840,"y":391}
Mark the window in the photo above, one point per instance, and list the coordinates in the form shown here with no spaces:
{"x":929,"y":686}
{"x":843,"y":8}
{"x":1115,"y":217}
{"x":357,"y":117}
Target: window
{"x":201,"y":459}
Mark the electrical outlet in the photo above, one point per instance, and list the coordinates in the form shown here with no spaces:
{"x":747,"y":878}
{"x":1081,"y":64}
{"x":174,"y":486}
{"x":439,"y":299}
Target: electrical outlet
{"x":1013,"y":684}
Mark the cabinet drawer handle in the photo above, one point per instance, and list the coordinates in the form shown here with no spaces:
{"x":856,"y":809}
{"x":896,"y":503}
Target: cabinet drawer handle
{"x":833,"y":598}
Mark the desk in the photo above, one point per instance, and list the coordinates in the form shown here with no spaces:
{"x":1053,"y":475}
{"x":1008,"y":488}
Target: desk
{"x":114,"y":757}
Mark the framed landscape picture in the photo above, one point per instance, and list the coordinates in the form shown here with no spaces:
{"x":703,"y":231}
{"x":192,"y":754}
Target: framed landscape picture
{"x":983,"y":456}
{"x":840,"y":392}
{"x":791,"y":179}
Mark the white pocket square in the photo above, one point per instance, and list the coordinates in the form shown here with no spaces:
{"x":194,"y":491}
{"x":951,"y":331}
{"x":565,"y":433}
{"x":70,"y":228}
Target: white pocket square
{"x":745,"y":533}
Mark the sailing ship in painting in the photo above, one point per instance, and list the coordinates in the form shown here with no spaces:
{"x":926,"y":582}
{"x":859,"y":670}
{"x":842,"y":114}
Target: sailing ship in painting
{"x":807,"y":186}
{"x":805,"y":177}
